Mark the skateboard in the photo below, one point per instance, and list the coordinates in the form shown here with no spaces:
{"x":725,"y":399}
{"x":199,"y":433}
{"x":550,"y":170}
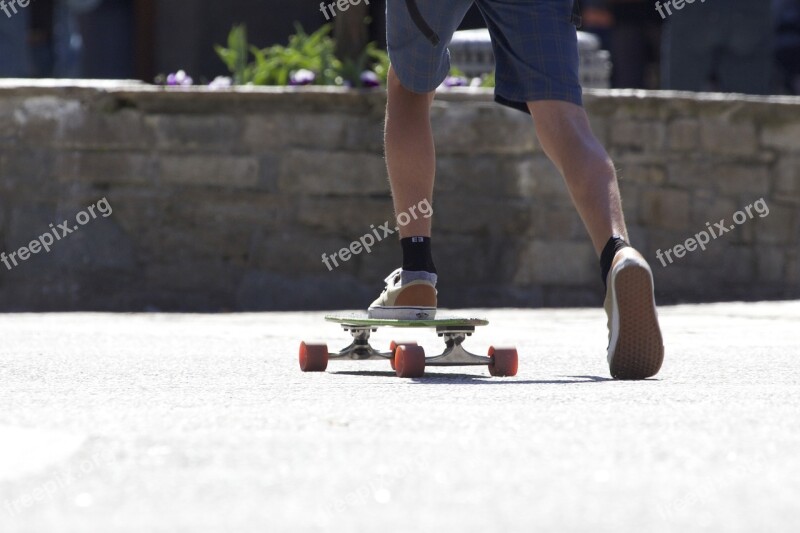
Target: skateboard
{"x":408,"y":359}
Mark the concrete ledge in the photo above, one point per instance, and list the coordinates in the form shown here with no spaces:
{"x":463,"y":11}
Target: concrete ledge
{"x":227,"y":199}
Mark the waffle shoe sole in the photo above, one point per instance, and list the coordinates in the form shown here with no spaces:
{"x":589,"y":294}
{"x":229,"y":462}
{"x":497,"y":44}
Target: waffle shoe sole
{"x":636,"y":348}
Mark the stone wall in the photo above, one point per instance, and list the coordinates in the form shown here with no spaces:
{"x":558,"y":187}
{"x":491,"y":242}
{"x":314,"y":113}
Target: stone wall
{"x":227,"y":200}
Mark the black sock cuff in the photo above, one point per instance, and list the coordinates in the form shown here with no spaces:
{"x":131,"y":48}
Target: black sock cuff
{"x":614,"y":244}
{"x":417,"y":254}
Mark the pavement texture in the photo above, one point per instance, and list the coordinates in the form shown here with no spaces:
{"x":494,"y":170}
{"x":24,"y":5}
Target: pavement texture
{"x":195,"y":423}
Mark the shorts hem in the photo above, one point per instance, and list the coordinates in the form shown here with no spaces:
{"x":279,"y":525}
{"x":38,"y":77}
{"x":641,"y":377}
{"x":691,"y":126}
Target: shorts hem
{"x":521,"y":104}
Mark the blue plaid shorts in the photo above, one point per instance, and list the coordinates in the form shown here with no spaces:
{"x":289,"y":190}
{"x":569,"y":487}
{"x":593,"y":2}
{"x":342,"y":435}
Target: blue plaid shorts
{"x":535,"y":46}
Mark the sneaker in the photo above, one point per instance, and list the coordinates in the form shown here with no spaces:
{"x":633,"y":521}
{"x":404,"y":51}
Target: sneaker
{"x":635,"y":345}
{"x":415,"y":300}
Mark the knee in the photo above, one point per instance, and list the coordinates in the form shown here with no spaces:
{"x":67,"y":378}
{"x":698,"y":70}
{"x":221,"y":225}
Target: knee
{"x":398,"y":91}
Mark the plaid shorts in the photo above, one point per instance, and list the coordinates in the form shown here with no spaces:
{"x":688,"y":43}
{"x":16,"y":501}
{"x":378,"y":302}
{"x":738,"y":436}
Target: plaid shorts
{"x":534,"y":41}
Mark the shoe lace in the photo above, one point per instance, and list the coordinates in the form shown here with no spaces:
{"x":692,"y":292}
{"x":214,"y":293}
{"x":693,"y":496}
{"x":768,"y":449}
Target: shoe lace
{"x":391,"y":277}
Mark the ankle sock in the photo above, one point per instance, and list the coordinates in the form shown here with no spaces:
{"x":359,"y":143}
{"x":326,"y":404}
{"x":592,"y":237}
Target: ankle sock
{"x":417,"y":259}
{"x":614,"y":244}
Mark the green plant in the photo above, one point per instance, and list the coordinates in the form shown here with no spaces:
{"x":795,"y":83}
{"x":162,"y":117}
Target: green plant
{"x":487,"y":80}
{"x":315,"y":52}
{"x":235,"y":56}
{"x":380,"y":60}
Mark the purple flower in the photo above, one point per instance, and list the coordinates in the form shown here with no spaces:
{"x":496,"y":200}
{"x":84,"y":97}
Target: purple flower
{"x":220,"y":82}
{"x":302,"y":77}
{"x":455,"y":81}
{"x":370,"y":79}
{"x":179,"y":78}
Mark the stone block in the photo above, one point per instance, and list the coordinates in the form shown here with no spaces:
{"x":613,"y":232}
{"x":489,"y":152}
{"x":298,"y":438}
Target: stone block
{"x":629,"y":172}
{"x":683,"y":135}
{"x":555,"y":222}
{"x":119,"y":168}
{"x":295,"y":252}
{"x":363,"y":134}
{"x":265,"y":291}
{"x":787,"y":180}
{"x":115,"y":130}
{"x":537,"y":263}
{"x":246,"y":209}
{"x":719,"y":136}
{"x":526,"y":176}
{"x":642,"y":135}
{"x":347,"y":217}
{"x":482,"y":216}
{"x":475,"y":128}
{"x":784,"y":137}
{"x":690,"y":173}
{"x":209,"y":171}
{"x":477,"y":174}
{"x":743,"y":178}
{"x":324,"y":173}
{"x":740,"y":265}
{"x":207,"y":133}
{"x":770,"y":264}
{"x":780,"y":226}
{"x":474,"y":260}
{"x":665,"y":208}
{"x":28,"y":171}
{"x":318,"y":131}
{"x":630,"y":194}
{"x":710,"y":207}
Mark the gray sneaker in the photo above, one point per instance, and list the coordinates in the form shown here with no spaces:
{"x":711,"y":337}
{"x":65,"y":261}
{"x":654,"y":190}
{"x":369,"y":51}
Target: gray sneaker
{"x":635,"y":345}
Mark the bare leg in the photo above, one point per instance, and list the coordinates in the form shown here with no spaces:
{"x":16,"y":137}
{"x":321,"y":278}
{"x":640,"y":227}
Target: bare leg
{"x":410,"y":154}
{"x":563,"y":129}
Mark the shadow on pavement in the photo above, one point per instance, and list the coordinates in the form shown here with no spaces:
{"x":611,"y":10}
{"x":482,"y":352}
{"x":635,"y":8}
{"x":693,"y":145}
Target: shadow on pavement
{"x":474,"y":379}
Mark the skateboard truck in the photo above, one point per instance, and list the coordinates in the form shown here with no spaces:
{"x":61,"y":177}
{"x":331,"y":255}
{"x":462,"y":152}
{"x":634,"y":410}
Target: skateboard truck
{"x":453,"y":355}
{"x":360,"y":349}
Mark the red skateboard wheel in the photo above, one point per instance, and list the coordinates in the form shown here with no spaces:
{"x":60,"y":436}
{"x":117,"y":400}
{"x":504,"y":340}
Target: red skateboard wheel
{"x":313,"y":357}
{"x":409,"y":361}
{"x":393,"y":346}
{"x":505,"y":361}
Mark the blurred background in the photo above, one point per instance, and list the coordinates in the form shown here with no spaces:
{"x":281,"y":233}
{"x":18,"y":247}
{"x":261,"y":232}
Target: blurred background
{"x":749,"y":46}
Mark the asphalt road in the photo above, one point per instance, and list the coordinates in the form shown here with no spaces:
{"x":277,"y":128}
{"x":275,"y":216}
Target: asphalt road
{"x":202,"y":423}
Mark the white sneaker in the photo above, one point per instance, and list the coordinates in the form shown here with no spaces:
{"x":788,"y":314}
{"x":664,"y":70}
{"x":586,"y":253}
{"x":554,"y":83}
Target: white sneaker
{"x":415,"y":300}
{"x":635,"y":345}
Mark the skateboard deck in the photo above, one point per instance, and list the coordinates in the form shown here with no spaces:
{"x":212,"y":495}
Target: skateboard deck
{"x":406,"y":357}
{"x":361,"y":319}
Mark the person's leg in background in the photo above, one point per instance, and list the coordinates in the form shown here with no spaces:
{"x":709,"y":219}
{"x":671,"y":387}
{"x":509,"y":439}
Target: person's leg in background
{"x":745,"y":65}
{"x":67,"y":42}
{"x":690,"y":42}
{"x":787,"y":42}
{"x":14,"y":48}
{"x":631,"y":44}
{"x":107,"y":31}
